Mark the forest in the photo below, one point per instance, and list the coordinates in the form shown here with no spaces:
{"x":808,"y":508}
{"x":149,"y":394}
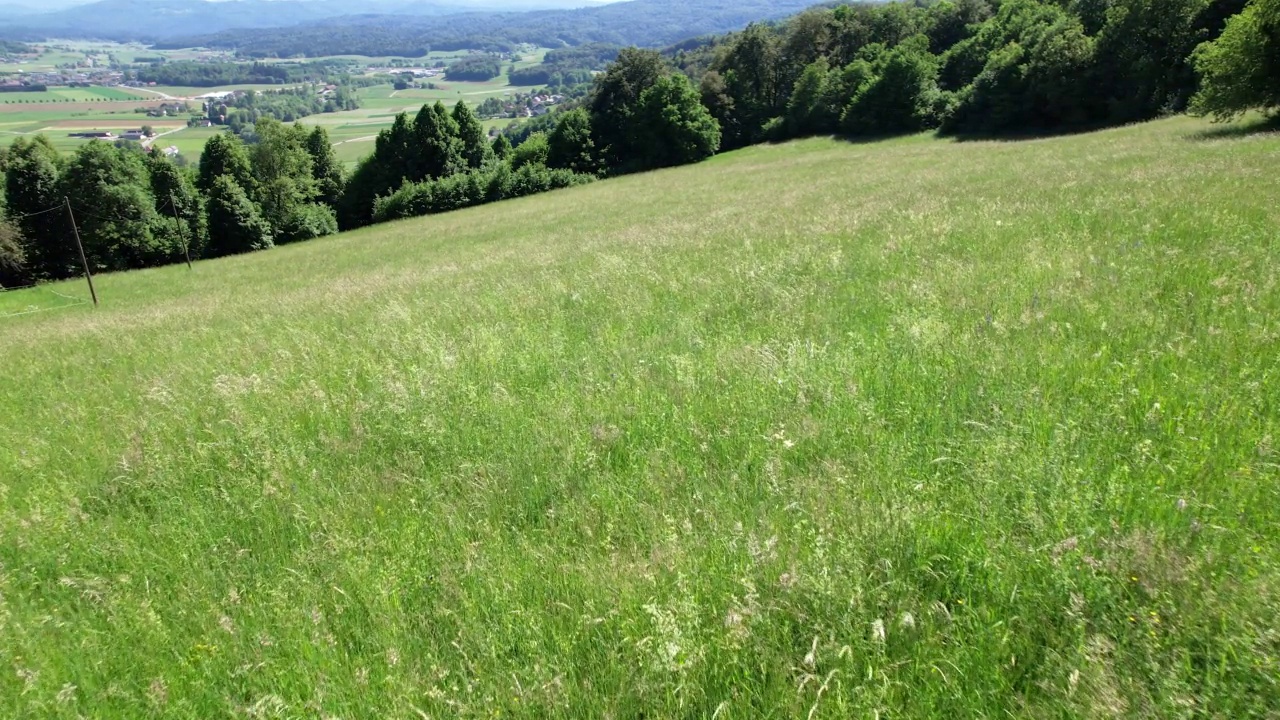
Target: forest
{"x":567,"y":66}
{"x":214,"y":74}
{"x":971,"y":68}
{"x":288,"y":105}
{"x":476,"y":68}
{"x":646,"y":23}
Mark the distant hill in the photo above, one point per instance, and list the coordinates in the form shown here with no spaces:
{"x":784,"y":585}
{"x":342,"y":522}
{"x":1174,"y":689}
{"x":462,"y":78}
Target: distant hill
{"x":638,"y":22}
{"x":128,"y":20}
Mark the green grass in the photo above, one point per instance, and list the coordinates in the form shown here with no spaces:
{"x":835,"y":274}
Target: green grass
{"x":385,"y":99}
{"x":902,"y":429}
{"x":190,"y":141}
{"x":116,"y":93}
{"x":76,"y":94}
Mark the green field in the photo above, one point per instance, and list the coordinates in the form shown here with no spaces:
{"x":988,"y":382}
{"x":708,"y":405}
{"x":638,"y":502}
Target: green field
{"x":902,"y":429}
{"x":78,"y":95}
{"x":56,"y":53}
{"x":353,"y":131}
{"x":190,"y":141}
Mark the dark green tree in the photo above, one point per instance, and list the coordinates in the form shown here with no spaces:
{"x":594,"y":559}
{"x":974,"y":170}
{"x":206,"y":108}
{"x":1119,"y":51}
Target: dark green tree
{"x":570,"y":145}
{"x":949,"y":22}
{"x":325,"y":168}
{"x":677,"y":129}
{"x":807,"y":110}
{"x":752,"y":76}
{"x":224,"y":154}
{"x":805,"y":38}
{"x":307,"y":221}
{"x":173,"y":190}
{"x":235,"y":226}
{"x":14,"y":271}
{"x":394,"y":151}
{"x":533,"y":151}
{"x":283,"y":174}
{"x":502,"y":147}
{"x":899,"y":99}
{"x":1240,"y":70}
{"x":370,"y":179}
{"x":115,"y":209}
{"x":1040,"y":83}
{"x":34,"y":202}
{"x":1142,"y":55}
{"x":475,"y":144}
{"x":615,"y":99}
{"x":437,"y":149}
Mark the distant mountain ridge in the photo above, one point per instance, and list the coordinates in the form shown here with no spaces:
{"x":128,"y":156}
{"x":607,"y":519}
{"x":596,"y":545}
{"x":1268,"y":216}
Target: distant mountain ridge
{"x":646,"y":23}
{"x":162,"y":19}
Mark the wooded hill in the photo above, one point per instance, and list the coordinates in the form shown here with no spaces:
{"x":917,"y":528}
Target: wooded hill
{"x":646,"y":23}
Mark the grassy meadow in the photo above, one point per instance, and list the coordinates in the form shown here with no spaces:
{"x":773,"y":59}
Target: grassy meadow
{"x":913,"y":428}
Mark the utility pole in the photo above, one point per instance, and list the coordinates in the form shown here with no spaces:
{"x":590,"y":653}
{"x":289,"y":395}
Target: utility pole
{"x":186,"y":250}
{"x":79,"y":246}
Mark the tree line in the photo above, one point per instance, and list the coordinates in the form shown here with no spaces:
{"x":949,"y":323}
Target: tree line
{"x":476,"y":68}
{"x":137,"y":209}
{"x":566,"y":67}
{"x":213,"y":74}
{"x":651,"y":23}
{"x":243,"y":111}
{"x":958,"y":67}
{"x":967,"y":67}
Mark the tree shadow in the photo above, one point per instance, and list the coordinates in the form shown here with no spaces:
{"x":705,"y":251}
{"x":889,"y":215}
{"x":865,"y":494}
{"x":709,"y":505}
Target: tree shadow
{"x":1238,"y":129}
{"x":1027,"y":134}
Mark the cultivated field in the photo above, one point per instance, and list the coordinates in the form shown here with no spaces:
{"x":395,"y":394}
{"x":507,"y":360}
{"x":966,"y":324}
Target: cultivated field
{"x":353,"y":131}
{"x":73,"y":95}
{"x":902,"y":429}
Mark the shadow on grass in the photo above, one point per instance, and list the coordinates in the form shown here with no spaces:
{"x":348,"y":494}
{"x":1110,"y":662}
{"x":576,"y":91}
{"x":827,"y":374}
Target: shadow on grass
{"x":1013,"y":136}
{"x":1238,"y":129}
{"x":1009,"y":136}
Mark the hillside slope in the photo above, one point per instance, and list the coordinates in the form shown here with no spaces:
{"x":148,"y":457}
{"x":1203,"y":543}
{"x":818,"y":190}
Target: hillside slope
{"x":921,"y":428}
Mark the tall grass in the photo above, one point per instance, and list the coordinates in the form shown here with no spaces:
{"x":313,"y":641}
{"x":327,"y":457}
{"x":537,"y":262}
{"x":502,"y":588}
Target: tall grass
{"x":902,"y":429}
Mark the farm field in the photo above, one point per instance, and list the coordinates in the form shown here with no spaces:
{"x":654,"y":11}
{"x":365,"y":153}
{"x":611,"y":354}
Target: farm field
{"x":56,"y":53}
{"x":353,"y":131}
{"x":56,"y":126}
{"x":73,"y":95}
{"x":190,"y":140}
{"x":912,"y":428}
